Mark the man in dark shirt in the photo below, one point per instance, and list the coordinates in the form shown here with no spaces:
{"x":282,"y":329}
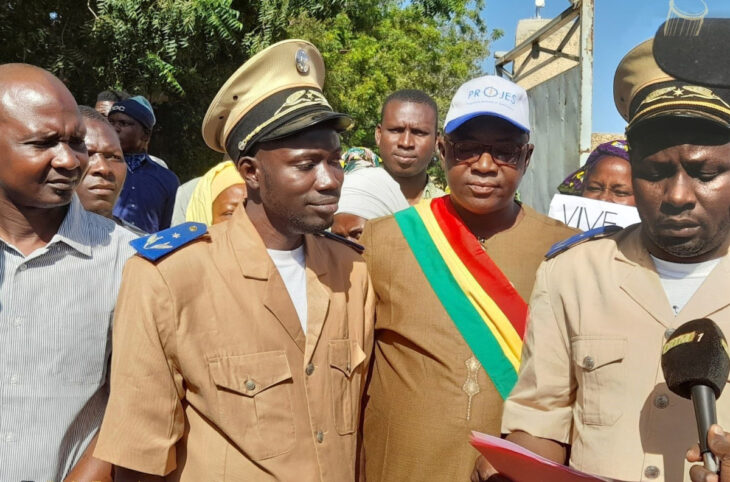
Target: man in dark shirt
{"x":148,"y":196}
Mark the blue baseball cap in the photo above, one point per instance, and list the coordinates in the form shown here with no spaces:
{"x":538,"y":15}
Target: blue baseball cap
{"x":138,"y":108}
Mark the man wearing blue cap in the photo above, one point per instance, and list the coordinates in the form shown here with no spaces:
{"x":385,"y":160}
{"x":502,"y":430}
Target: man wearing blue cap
{"x":148,"y":196}
{"x":451,"y":276}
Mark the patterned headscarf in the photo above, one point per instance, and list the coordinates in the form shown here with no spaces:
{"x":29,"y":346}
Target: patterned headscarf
{"x":358,"y":157}
{"x":573,"y":184}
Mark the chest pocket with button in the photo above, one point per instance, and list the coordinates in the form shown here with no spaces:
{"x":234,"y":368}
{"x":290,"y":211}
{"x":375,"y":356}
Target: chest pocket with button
{"x":601,"y":375}
{"x":346,"y":377}
{"x":254,"y":402}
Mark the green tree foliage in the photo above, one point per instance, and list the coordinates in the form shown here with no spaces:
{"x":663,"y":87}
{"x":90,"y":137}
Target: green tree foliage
{"x":404,"y":49}
{"x":178,"y":53}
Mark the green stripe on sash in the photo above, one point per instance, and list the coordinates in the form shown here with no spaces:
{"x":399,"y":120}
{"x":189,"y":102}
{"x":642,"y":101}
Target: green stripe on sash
{"x":471,"y":326}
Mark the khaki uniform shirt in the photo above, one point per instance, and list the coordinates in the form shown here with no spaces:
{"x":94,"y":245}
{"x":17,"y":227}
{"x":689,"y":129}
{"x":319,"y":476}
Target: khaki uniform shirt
{"x":418,"y":417}
{"x":591,"y":365}
{"x":213,"y":378}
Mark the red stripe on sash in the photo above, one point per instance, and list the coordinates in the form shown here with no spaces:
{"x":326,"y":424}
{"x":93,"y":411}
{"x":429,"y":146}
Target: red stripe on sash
{"x":481,"y":266}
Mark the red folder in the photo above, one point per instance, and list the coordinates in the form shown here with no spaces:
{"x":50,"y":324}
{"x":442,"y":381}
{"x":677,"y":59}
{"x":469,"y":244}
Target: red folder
{"x":521,"y":465}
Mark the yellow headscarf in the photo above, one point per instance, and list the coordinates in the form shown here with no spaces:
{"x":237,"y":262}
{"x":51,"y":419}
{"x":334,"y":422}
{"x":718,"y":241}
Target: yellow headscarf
{"x":215,"y":181}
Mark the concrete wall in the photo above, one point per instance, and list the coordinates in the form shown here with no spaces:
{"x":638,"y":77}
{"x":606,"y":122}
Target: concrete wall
{"x":601,"y":137}
{"x":555,"y":122}
{"x":527,"y":27}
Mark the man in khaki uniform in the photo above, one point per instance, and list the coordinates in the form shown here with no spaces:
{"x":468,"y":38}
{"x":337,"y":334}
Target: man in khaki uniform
{"x":432,"y":379}
{"x":242,"y":355}
{"x":600,"y":312}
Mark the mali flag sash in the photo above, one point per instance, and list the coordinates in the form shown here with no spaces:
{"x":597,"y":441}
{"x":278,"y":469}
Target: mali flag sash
{"x":478,"y":297}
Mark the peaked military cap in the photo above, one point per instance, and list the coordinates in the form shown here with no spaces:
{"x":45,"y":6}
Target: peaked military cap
{"x":276,"y":93}
{"x":643,"y":91}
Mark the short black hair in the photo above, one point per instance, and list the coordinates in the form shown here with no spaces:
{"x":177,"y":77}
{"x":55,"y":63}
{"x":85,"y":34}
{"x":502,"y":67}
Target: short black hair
{"x":411,"y":95}
{"x":92,"y":114}
{"x":112,"y":95}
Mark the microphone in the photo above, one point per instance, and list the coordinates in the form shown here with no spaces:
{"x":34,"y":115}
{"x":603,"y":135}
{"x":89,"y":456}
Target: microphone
{"x":696,"y":365}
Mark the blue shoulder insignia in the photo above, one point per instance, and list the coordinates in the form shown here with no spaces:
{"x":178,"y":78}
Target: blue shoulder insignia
{"x":336,"y":237}
{"x":157,"y":245}
{"x":579,"y":238}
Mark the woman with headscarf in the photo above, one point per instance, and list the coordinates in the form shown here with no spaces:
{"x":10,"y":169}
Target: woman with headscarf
{"x":358,"y":157}
{"x":605,"y":176}
{"x":218,"y":193}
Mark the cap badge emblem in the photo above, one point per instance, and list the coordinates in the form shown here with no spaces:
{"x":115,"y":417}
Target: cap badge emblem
{"x":302,"y":61}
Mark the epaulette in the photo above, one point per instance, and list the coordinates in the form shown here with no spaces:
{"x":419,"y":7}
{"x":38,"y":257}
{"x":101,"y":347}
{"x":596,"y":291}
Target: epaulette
{"x":336,"y":237}
{"x":157,"y":245}
{"x":596,"y":233}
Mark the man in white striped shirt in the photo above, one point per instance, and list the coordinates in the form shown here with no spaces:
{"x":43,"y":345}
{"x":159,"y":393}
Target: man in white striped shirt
{"x":60,"y":269}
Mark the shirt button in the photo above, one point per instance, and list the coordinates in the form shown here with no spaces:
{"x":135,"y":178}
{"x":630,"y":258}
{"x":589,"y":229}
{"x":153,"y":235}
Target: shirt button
{"x":309,"y":370}
{"x":22,"y":267}
{"x":588,"y":362}
{"x":133,"y":188}
{"x":651,"y":472}
{"x":320,"y":436}
{"x":10,"y":437}
{"x":13,"y":379}
{"x":17,"y":321}
{"x":250,"y":385}
{"x":662,"y":401}
{"x":668,"y":333}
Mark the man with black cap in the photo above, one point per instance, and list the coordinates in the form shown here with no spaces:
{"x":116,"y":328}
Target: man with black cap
{"x":242,"y":355}
{"x":148,"y":196}
{"x":590,"y":383}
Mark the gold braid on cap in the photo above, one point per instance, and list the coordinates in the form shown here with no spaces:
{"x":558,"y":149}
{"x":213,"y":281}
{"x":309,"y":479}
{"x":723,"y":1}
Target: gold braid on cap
{"x":296,"y":101}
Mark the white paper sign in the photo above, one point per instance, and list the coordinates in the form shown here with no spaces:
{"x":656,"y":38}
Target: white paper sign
{"x":584,"y":213}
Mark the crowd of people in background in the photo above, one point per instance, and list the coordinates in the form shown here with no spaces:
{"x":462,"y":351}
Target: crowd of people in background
{"x":304,"y":312}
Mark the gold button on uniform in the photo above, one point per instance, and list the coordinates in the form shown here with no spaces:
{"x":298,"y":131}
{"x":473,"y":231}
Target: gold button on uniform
{"x":588,"y":362}
{"x":250,"y":385}
{"x":651,"y":472}
{"x":662,"y":401}
{"x":320,"y":436}
{"x":309,"y":370}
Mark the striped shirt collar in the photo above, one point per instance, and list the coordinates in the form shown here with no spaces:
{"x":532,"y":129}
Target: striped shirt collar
{"x":75,"y":228}
{"x":75,"y":231}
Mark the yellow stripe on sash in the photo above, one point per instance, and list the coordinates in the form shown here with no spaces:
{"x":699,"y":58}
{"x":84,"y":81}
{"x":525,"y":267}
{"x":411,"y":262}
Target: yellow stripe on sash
{"x":493,"y":317}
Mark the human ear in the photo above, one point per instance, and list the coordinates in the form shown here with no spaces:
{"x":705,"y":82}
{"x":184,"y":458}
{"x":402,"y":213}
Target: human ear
{"x":528,"y":156}
{"x":250,"y":170}
{"x":441,"y":151}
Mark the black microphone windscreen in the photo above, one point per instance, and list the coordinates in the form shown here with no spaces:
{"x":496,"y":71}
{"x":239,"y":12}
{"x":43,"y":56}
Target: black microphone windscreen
{"x":696,"y":354}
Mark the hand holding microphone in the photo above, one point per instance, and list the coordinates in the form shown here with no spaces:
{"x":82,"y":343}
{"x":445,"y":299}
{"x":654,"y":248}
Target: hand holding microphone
{"x":696,"y":365}
{"x":719,"y":444}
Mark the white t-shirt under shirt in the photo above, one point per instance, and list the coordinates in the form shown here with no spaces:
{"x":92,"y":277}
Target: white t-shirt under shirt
{"x":681,"y":280}
{"x":291,"y":266}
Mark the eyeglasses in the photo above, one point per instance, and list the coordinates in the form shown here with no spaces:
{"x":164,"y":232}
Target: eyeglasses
{"x":503,"y":153}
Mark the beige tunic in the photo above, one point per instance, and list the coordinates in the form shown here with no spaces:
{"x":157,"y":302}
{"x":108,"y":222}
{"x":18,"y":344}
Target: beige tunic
{"x":418,"y":417}
{"x":591,"y":365}
{"x":212,"y":376}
